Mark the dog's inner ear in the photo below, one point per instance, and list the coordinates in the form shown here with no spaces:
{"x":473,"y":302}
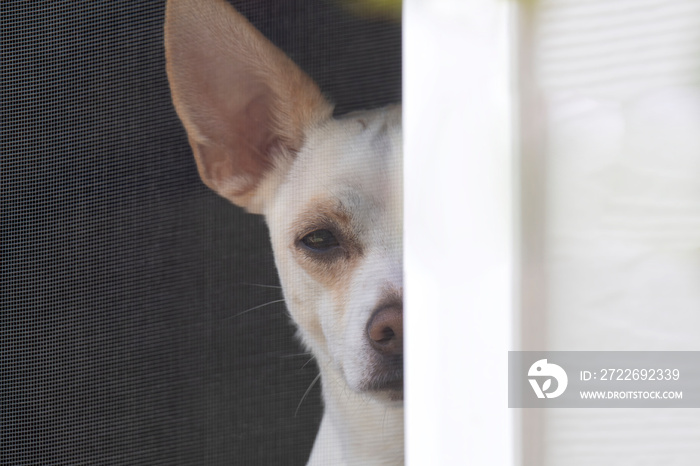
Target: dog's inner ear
{"x":245,"y":105}
{"x":237,"y":147}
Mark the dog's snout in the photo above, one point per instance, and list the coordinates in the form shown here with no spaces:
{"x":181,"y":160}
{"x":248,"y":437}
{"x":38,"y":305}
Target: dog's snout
{"x":385,"y":331}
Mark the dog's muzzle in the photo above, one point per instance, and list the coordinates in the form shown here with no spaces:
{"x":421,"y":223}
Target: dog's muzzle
{"x":385,"y":335}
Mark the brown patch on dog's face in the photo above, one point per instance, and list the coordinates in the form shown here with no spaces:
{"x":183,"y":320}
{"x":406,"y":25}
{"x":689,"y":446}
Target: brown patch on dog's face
{"x":326,"y":244}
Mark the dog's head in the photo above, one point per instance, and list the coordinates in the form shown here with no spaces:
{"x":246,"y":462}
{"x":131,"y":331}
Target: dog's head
{"x":330,"y":189}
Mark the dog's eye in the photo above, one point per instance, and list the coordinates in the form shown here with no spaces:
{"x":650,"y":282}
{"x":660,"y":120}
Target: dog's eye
{"x":320,"y":240}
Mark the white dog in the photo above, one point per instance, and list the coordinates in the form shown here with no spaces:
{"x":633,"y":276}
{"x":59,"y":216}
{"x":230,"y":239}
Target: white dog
{"x":331,"y":193}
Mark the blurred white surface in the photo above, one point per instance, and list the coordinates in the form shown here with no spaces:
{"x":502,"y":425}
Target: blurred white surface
{"x":459,"y":232}
{"x":619,"y":80}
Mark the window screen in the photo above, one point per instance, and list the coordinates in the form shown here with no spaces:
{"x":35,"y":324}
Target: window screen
{"x":142,"y":320}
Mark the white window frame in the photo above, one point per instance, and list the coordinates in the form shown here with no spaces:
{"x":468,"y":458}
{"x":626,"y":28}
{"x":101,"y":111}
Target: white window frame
{"x":461,"y":231}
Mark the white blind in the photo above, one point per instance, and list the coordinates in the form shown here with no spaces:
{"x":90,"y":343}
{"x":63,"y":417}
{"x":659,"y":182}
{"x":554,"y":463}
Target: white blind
{"x":619,"y":80}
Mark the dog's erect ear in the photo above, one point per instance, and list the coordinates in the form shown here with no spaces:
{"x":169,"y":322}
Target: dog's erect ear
{"x":244,"y":103}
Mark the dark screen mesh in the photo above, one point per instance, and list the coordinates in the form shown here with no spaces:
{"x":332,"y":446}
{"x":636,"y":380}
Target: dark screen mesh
{"x":125,"y":335}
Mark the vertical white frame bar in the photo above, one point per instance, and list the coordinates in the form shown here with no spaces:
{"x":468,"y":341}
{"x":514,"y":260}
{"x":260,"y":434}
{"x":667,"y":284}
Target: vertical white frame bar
{"x":460,"y":230}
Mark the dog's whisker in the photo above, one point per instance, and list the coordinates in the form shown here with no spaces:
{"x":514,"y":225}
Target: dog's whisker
{"x":307,"y":362}
{"x":256,"y":307}
{"x":313,"y":382}
{"x":295,"y":355}
{"x":260,"y":285}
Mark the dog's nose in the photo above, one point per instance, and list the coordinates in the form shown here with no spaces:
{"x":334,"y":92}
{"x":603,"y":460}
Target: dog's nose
{"x":385,"y":331}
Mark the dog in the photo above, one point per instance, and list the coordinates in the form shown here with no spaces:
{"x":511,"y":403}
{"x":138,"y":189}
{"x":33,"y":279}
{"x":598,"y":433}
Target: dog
{"x":330,"y":189}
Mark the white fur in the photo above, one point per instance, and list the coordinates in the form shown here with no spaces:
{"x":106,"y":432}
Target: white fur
{"x":361,"y":167}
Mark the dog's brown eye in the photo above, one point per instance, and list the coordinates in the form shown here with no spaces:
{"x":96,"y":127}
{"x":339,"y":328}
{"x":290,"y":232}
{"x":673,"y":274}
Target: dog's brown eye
{"x":320,"y":240}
